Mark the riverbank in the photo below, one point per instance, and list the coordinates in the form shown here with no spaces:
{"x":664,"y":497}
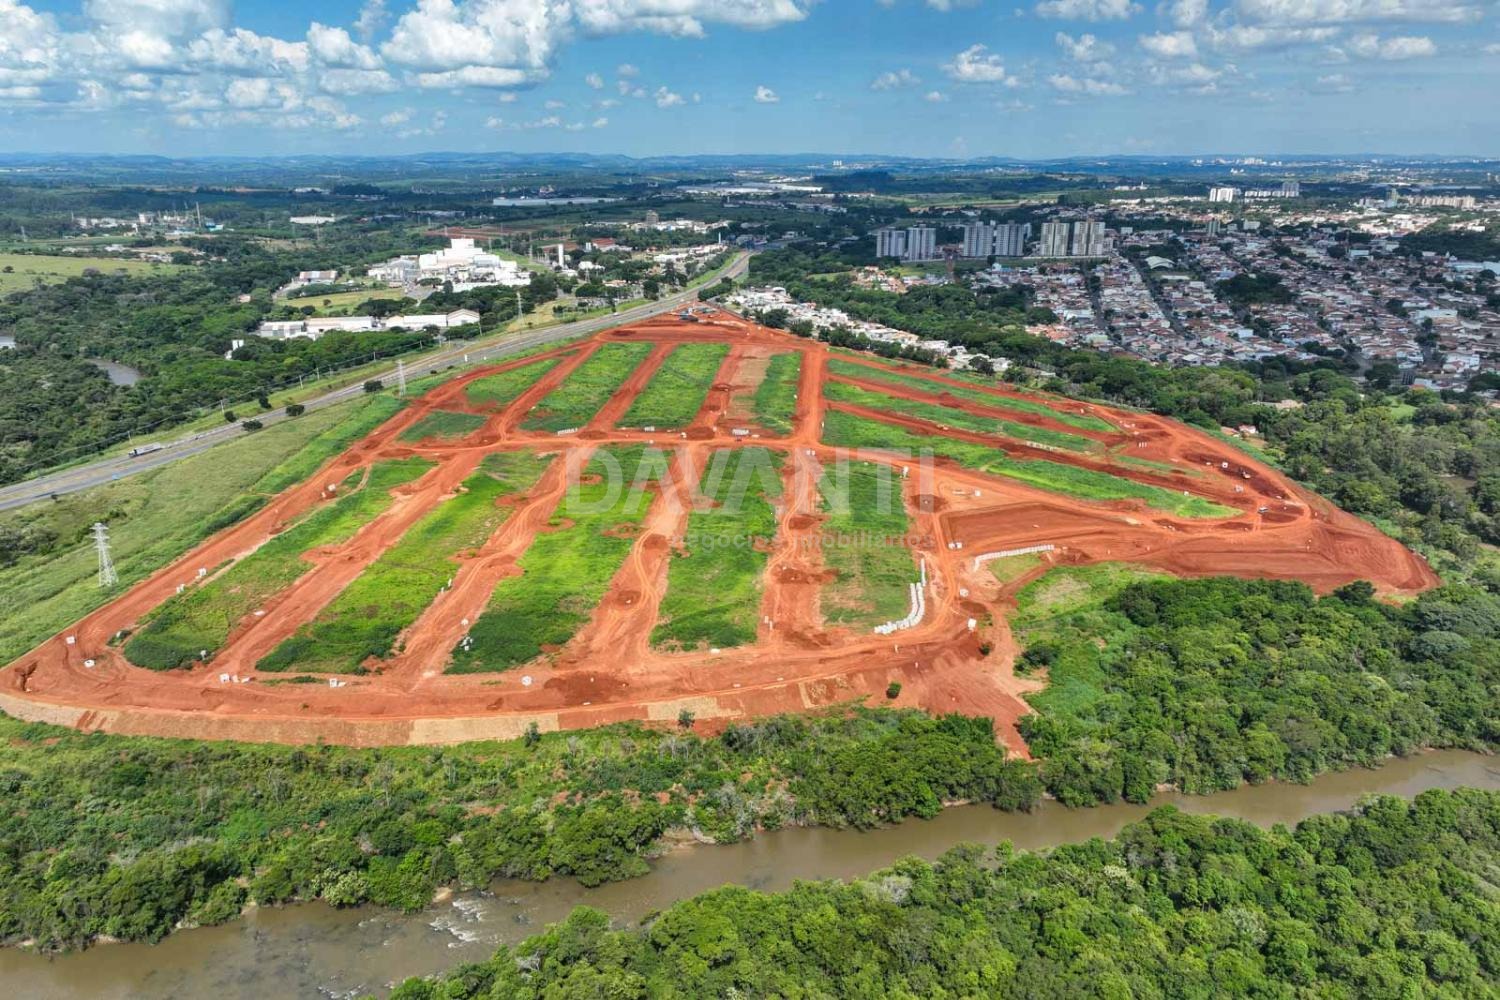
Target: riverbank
{"x":312,"y":948}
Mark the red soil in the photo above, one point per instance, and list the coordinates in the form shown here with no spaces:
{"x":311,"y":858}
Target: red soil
{"x":609,"y":672}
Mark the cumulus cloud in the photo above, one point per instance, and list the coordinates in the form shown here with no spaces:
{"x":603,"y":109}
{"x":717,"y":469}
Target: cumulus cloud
{"x":334,"y":47}
{"x":595,"y":81}
{"x":666,"y":98}
{"x":765,"y":95}
{"x":934,"y":97}
{"x":1184,"y":13}
{"x":1085,"y":48}
{"x":976,"y":64}
{"x":1334,"y":83}
{"x":895,"y":78}
{"x":1170,"y":45}
{"x":1069,"y":84}
{"x":1087,"y":10}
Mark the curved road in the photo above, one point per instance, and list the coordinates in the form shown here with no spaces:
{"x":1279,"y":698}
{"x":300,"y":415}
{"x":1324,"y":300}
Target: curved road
{"x":106,"y":470}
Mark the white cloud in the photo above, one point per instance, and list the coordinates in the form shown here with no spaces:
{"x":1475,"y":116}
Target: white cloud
{"x":1492,"y":49}
{"x":627,"y":70}
{"x":473,"y":76}
{"x":1251,"y":37}
{"x":1334,"y":83}
{"x":765,"y":95}
{"x":1069,"y":84}
{"x":976,"y":64}
{"x":601,"y":122}
{"x":349,"y":82}
{"x":1170,"y":45}
{"x":667,"y":99}
{"x":895,"y":78}
{"x":595,"y":81}
{"x":1184,"y":13}
{"x":372,"y":17}
{"x":1087,"y":10}
{"x":554,"y":104}
{"x":1085,"y":48}
{"x":1298,"y":12}
{"x":164,"y":18}
{"x":1193,"y":76}
{"x":1368,"y":45}
{"x":334,"y":47}
{"x":398,"y":117}
{"x":934,"y":97}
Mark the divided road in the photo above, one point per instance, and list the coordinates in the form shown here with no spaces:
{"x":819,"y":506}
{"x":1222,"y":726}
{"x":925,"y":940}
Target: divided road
{"x":106,"y":470}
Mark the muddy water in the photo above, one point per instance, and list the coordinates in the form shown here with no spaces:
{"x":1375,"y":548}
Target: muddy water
{"x":312,"y":950}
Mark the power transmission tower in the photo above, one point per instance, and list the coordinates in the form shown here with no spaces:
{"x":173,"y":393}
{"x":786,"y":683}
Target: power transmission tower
{"x":400,"y":378}
{"x":107,"y":575}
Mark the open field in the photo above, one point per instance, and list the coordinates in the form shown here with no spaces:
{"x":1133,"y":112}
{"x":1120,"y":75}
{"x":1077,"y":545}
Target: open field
{"x":677,"y":389}
{"x":342,"y":303}
{"x":574,"y":402}
{"x":853,"y":431}
{"x":947,"y":416}
{"x":566,"y":570}
{"x":443,"y":425}
{"x":449,"y":606}
{"x":365,"y":619}
{"x":776,"y":396}
{"x":864,"y":531}
{"x":501,"y":389}
{"x":20,"y":271}
{"x":198,"y":620}
{"x":158,"y":515}
{"x":713,"y":585}
{"x":1057,"y":410}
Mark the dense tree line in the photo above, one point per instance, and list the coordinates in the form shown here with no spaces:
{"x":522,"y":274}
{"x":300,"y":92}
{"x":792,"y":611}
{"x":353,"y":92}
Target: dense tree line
{"x":1390,"y":901}
{"x":131,"y":837}
{"x":1206,"y":684}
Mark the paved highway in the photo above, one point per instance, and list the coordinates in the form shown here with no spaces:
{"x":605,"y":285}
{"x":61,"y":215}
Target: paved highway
{"x":106,"y":470}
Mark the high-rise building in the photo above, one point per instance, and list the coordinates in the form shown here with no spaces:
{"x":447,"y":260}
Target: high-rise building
{"x":1291,"y":189}
{"x":1088,"y":239}
{"x":1213,"y":227}
{"x":1223,"y":193}
{"x":890,"y":242}
{"x":979,"y":239}
{"x":1054,"y":239}
{"x":995,"y":239}
{"x":921,"y":243}
{"x":1010,"y":239}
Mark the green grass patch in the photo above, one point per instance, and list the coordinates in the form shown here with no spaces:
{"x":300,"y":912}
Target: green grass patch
{"x":714,"y":588}
{"x":676,"y":392}
{"x":864,"y":533}
{"x":851,"y":431}
{"x":948,"y":416}
{"x":503,"y":388}
{"x":1063,"y":612}
{"x":342,"y":303}
{"x":589,"y":386}
{"x":1041,"y":407}
{"x":776,"y":396}
{"x":201,"y":617}
{"x":156,"y":516}
{"x":20,"y":271}
{"x":1011,"y":568}
{"x":567,"y":569}
{"x":366,"y":618}
{"x":443,"y":425}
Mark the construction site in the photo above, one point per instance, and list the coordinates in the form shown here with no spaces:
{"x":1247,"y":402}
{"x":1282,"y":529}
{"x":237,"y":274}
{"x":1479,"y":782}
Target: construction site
{"x":691,"y":517}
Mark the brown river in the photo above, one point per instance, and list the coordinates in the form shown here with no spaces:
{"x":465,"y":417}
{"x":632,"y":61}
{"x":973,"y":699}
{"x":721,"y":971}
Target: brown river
{"x":312,"y":950}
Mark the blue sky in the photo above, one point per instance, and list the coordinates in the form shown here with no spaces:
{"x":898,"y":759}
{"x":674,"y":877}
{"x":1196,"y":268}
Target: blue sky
{"x":917,"y":77}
